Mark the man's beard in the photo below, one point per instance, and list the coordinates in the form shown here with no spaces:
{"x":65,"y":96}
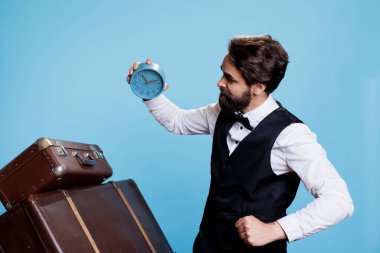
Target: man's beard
{"x":233,"y":104}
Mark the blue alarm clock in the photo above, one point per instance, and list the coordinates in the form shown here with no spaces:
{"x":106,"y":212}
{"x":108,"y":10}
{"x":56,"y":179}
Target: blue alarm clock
{"x":148,"y":81}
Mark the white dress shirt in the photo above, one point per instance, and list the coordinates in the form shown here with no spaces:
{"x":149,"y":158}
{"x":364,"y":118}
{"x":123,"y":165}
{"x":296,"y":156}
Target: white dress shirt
{"x":295,"y":149}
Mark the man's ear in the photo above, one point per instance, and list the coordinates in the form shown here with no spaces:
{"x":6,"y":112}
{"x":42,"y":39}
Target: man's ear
{"x":258,"y":88}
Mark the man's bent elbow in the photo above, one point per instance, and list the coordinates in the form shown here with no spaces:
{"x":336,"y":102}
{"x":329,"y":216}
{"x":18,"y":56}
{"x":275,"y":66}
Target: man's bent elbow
{"x":350,"y":209}
{"x":347,"y":208}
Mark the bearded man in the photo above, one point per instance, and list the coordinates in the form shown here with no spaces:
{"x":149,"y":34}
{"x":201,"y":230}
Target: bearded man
{"x":260,"y":152}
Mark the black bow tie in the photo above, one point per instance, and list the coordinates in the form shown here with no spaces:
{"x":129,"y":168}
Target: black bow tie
{"x":238,"y":117}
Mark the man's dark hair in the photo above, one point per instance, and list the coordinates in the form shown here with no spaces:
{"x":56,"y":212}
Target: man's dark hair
{"x":260,"y":59}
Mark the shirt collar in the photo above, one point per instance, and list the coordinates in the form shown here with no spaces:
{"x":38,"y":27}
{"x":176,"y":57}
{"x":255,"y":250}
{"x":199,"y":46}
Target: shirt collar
{"x":259,"y":113}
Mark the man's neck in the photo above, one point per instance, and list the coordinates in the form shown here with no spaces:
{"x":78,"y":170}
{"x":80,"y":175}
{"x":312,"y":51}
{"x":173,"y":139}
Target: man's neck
{"x":256,"y":101}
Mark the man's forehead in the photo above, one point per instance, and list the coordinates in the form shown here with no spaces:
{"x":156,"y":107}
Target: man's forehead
{"x":226,"y":61}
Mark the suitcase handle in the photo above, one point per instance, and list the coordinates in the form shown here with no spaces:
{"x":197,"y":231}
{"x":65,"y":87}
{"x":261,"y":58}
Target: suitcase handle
{"x":85,"y":161}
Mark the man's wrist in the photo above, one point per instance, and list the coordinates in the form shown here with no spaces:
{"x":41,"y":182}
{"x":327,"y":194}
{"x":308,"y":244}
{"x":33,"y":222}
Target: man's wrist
{"x":277,"y":232}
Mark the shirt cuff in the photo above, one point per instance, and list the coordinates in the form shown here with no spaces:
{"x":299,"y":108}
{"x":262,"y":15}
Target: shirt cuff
{"x":291,"y":228}
{"x":152,"y":103}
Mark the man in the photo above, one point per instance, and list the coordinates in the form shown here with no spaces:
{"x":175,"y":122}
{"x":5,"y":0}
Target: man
{"x":260,"y":152}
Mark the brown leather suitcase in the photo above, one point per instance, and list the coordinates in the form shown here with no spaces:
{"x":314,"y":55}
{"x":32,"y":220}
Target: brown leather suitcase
{"x":50,"y":164}
{"x":17,"y":233}
{"x":112,"y":217}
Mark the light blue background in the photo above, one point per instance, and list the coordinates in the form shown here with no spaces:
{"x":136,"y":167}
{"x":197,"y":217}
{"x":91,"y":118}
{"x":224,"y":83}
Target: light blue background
{"x":62,"y":70}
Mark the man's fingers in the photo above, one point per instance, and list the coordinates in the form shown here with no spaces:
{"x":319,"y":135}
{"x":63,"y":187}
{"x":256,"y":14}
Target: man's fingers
{"x":246,"y":241}
{"x":131,"y":70}
{"x":135,"y":65}
{"x":246,"y":219}
{"x":241,"y":229}
{"x":243,"y":235}
{"x":240,"y":222}
{"x":149,"y":61}
{"x":166,"y":87}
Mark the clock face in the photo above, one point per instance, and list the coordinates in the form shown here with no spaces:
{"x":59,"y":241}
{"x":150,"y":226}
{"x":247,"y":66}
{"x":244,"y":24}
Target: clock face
{"x":147,"y":83}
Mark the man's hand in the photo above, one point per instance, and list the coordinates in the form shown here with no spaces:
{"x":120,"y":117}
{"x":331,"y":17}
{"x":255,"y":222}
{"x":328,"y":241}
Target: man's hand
{"x":256,"y":233}
{"x":135,"y":66}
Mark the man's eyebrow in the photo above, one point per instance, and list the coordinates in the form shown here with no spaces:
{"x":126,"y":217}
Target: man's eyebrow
{"x":226,"y":74}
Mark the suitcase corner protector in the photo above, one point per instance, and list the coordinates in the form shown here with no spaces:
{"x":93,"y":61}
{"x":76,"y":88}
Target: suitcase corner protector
{"x":43,"y":143}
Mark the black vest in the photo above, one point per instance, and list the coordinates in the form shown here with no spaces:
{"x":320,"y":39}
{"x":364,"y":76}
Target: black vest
{"x":244,"y":183}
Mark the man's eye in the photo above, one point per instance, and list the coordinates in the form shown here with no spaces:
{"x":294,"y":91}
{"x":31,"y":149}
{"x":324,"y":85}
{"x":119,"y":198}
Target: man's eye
{"x":228,"y":78}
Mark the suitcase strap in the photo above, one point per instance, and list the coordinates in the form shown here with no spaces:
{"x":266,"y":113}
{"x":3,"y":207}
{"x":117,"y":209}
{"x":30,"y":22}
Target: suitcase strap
{"x":80,"y":220}
{"x":126,"y":203}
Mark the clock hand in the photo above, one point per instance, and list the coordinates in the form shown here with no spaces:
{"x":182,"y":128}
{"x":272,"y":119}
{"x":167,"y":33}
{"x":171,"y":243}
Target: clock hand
{"x":146,"y":80}
{"x":151,"y":81}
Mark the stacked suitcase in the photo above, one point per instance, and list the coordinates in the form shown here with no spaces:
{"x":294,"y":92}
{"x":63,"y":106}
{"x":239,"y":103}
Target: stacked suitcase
{"x":56,"y":203}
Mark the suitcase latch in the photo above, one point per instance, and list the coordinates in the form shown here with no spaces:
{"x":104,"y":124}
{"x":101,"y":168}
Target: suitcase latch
{"x":98,"y":154}
{"x":61,"y":151}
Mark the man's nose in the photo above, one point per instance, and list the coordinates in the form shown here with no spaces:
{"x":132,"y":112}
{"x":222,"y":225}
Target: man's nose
{"x":221,"y":83}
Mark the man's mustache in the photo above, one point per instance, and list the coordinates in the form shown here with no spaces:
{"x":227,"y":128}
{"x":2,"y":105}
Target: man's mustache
{"x":225,"y":92}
